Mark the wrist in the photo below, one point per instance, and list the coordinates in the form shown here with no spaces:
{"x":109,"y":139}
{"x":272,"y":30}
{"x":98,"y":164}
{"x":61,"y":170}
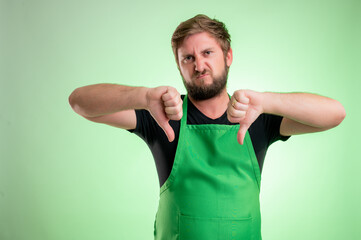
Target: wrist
{"x":143,"y":95}
{"x":269,"y":101}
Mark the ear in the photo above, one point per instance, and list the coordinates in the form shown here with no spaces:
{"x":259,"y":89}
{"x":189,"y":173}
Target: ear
{"x":229,"y":57}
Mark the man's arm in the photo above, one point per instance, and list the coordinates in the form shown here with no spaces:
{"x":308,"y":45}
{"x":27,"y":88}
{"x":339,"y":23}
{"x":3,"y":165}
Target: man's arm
{"x":302,"y":112}
{"x":114,"y":104}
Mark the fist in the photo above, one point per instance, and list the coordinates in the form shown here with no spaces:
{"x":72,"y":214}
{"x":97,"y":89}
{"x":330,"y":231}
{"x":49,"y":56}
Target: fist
{"x":164,"y":104}
{"x":237,"y":107}
{"x":173,"y":104}
{"x":244,"y":108}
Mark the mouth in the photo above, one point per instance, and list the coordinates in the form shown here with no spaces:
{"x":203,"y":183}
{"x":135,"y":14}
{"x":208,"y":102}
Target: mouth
{"x":202,"y":76}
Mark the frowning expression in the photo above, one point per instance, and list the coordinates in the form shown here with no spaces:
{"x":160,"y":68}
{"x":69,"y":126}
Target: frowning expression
{"x":202,"y":62}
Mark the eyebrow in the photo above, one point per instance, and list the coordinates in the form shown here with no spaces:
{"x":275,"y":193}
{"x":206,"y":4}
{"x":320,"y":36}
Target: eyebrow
{"x":205,"y":50}
{"x":208,"y":49}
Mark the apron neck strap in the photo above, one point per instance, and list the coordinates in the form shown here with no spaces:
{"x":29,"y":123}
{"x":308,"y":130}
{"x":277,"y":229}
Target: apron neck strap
{"x":185,"y":110}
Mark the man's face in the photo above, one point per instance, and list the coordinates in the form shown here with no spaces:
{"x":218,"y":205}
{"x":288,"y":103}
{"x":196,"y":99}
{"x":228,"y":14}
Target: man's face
{"x":203,"y":66}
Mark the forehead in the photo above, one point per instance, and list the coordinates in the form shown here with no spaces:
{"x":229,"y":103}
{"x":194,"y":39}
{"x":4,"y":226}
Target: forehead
{"x":198,"y":42}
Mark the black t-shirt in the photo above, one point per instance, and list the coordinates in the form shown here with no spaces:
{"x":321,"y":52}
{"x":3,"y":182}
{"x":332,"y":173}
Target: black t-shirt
{"x":263,"y":132}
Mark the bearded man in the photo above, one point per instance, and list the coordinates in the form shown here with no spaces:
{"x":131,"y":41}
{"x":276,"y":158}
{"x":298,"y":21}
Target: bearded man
{"x":208,"y":146}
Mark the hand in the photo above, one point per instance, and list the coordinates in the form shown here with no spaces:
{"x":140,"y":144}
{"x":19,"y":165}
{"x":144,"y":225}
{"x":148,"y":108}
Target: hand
{"x":244,"y":108}
{"x":164,"y":104}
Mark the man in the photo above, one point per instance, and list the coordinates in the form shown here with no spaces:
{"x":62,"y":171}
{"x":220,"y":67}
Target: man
{"x":208,"y":147}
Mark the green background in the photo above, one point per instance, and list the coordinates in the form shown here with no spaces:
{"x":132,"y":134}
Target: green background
{"x":63,"y":177}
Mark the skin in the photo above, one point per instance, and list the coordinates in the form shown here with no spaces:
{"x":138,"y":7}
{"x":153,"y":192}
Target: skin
{"x":200,"y":59}
{"x":302,"y":112}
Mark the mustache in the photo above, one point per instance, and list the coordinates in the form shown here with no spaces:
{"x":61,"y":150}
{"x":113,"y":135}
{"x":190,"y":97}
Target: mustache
{"x":197,"y":74}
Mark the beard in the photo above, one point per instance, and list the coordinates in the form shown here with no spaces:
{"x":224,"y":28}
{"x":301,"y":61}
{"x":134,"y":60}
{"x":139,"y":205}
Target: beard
{"x":204,"y":92}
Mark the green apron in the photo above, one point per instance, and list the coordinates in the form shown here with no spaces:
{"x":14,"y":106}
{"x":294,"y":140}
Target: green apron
{"x":212,"y":192}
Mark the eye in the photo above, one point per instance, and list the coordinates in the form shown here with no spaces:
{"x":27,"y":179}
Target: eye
{"x":188,"y":58}
{"x":207,"y":52}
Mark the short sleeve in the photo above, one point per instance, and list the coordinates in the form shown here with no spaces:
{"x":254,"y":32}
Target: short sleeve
{"x":272,"y":126}
{"x":145,"y":127}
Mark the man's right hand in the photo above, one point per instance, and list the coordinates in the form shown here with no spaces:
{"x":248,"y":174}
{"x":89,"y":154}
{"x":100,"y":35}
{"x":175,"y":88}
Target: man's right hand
{"x":164,"y":104}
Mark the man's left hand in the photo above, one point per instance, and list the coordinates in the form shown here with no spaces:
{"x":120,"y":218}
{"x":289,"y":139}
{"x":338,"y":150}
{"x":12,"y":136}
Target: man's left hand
{"x":244,"y":108}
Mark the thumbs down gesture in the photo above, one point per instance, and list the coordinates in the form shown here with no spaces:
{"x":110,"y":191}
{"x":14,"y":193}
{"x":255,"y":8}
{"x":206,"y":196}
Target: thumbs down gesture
{"x":164,"y":103}
{"x":244,"y":108}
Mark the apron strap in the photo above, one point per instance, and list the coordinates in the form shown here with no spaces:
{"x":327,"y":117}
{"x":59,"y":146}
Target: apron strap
{"x":185,"y":112}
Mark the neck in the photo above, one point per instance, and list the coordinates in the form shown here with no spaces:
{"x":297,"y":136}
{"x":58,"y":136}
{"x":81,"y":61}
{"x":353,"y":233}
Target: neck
{"x":213,"y":107}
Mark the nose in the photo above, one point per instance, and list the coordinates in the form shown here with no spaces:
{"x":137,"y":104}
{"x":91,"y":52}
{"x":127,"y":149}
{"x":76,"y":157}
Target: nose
{"x":199,"y":64}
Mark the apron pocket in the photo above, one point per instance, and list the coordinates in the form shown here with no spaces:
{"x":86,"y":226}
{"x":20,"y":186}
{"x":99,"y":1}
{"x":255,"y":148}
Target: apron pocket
{"x":199,"y":228}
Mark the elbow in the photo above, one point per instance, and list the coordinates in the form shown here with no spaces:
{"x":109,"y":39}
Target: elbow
{"x":73,"y":99}
{"x":74,"y":103}
{"x":342,"y":115}
{"x":339,"y":115}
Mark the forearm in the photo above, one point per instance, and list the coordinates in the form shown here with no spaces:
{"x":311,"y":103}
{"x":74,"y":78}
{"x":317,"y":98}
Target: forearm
{"x":306,"y":108}
{"x":100,"y":99}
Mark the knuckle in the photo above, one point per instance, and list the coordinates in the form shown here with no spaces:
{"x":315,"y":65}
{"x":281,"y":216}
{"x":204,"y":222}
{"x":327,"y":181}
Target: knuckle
{"x":232,"y":115}
{"x":167,"y":110}
{"x":171,"y":94}
{"x":180,"y":109}
{"x":232,"y":119}
{"x":164,"y":96}
{"x":173,"y":102}
{"x":237,"y":93}
{"x":179,"y":115}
